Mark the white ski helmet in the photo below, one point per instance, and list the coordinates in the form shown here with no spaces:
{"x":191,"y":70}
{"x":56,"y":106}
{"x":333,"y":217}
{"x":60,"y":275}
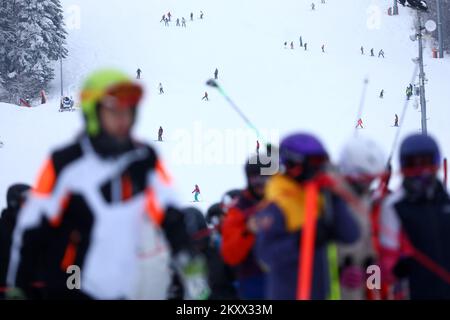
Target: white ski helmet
{"x":362,"y":157}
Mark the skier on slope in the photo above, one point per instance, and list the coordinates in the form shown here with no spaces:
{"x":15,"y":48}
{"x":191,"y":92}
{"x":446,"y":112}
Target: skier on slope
{"x":160,"y":88}
{"x":304,"y":161}
{"x":396,"y":121}
{"x":216,"y":74}
{"x":183,"y":22}
{"x":169,"y":16}
{"x":138,"y":73}
{"x":238,"y":238}
{"x":415,"y":224}
{"x":205,"y":96}
{"x":163,"y":18}
{"x":409,"y":91}
{"x":382,"y":94}
{"x":292,"y":44}
{"x":178,"y":22}
{"x":323,"y":48}
{"x":160,"y":133}
{"x":192,"y":16}
{"x":196,"y":193}
{"x":371,"y":53}
{"x":381,"y":53}
{"x":306,"y":46}
{"x":313,"y":6}
{"x":362,"y":50}
{"x":360,"y":124}
{"x":94,"y":200}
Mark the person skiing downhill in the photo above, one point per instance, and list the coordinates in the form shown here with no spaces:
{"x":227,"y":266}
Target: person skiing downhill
{"x":281,"y":222}
{"x":196,"y":193}
{"x":161,"y":89}
{"x":160,"y":133}
{"x":93,"y":201}
{"x":201,"y":14}
{"x":362,"y":50}
{"x":192,"y":16}
{"x":396,"y":121}
{"x":313,"y":6}
{"x":216,"y":74}
{"x":205,"y":97}
{"x":166,"y":22}
{"x":178,"y":22}
{"x":183,"y":22}
{"x":301,"y":41}
{"x":169,"y":16}
{"x":381,"y":53}
{"x":306,"y":46}
{"x":292,"y":44}
{"x":138,"y":73}
{"x":323,"y":48}
{"x":371,"y":53}
{"x":382,"y":93}
{"x":163,"y":18}
{"x":360,"y":124}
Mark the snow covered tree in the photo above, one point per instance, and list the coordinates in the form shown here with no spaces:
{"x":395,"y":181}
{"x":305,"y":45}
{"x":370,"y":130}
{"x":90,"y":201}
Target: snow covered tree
{"x":35,"y":38}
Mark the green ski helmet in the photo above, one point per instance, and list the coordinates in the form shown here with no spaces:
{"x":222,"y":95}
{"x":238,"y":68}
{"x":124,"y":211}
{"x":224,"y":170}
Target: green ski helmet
{"x":107,"y":83}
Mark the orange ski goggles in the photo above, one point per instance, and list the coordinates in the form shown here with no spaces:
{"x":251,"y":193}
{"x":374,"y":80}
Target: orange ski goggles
{"x":124,"y":95}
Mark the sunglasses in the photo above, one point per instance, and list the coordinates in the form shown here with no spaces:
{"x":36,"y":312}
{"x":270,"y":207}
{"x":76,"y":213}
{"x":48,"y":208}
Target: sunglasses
{"x":126,"y":95}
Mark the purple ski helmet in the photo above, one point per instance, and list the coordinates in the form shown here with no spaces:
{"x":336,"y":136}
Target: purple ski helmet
{"x":298,"y":146}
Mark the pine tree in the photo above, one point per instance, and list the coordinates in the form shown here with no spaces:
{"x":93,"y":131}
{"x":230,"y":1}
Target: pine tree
{"x":36,"y":39}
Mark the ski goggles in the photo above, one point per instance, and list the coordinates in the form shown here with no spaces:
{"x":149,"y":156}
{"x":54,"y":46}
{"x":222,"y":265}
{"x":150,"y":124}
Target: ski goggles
{"x":317,"y":160}
{"x":124,"y":95}
{"x":419,"y":165}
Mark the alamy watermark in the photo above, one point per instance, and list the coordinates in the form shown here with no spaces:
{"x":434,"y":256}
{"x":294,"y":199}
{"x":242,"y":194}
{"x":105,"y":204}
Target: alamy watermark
{"x":74,"y":279}
{"x":204,"y":146}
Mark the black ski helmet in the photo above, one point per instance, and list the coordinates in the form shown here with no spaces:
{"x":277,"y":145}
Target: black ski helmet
{"x":255,"y":164}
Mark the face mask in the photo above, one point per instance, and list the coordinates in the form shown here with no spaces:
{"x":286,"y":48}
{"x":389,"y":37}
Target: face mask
{"x":420,"y":186}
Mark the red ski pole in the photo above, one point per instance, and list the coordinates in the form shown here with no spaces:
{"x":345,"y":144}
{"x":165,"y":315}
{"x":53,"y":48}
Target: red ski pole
{"x":306,"y":254}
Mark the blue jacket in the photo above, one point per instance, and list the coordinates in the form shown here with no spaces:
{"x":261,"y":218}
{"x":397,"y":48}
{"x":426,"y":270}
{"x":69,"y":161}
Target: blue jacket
{"x":277,"y":244}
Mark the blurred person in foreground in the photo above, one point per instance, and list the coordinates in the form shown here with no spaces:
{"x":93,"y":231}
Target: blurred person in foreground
{"x":93,"y":203}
